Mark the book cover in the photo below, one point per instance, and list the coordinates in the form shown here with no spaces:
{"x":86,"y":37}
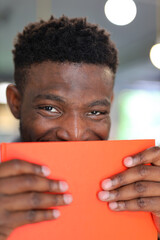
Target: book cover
{"x":83,"y":165}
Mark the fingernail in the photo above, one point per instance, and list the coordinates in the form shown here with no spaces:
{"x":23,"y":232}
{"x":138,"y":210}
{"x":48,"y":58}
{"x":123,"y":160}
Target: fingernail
{"x":63,"y":186}
{"x":103,"y":196}
{"x":107,"y":184}
{"x":45,"y":170}
{"x":67,"y":198}
{"x":56,"y":213}
{"x":128,"y":161}
{"x":113,"y":205}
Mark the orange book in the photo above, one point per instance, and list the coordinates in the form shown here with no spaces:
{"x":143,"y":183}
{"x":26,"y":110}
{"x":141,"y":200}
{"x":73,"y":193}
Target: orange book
{"x":83,"y":165}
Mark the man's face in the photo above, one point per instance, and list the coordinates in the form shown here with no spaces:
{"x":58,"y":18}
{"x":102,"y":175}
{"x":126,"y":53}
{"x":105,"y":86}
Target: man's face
{"x":66,"y":102}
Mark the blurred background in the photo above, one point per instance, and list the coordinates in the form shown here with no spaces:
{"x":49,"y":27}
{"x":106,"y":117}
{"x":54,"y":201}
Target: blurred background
{"x":136,"y":108}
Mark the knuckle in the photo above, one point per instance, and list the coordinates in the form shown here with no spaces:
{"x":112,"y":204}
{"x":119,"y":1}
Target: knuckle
{"x":116,"y":194}
{"x":51,"y":185}
{"x":36,"y":169}
{"x":55,"y":200}
{"x":140,"y":187}
{"x":138,"y":158}
{"x":30,"y":180}
{"x":47,"y":215}
{"x":119,"y":179}
{"x":141,"y":203}
{"x":143,"y":171}
{"x":31,"y":216}
{"x":35,"y":200}
{"x":4,"y":216}
{"x":16,"y":164}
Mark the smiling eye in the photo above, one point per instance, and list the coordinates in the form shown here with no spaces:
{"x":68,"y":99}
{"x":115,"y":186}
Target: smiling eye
{"x":49,"y":109}
{"x":97,"y":113}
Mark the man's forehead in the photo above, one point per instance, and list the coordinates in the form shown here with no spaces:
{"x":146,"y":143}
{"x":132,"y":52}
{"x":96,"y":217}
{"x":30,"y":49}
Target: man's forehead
{"x":69,"y":75}
{"x":72,"y":83}
{"x":63,"y":100}
{"x":57,"y":68}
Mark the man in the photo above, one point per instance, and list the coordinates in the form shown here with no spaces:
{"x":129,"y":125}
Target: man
{"x":64,"y":77}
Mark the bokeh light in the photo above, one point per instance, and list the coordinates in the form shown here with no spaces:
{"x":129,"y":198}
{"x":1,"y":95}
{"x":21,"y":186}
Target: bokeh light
{"x":155,"y":55}
{"x":120,"y":12}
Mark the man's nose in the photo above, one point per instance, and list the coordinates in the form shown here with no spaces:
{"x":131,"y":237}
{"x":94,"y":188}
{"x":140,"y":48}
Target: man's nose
{"x":73,"y":128}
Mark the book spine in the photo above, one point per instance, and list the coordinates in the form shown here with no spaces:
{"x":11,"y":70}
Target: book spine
{"x":2,"y":151}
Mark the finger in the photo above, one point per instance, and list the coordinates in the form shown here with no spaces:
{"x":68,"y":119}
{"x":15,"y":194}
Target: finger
{"x":34,"y":200}
{"x":25,"y":183}
{"x":131,"y":175}
{"x":18,"y":167}
{"x":5,"y":232}
{"x":151,"y":204}
{"x":32,"y":216}
{"x":132,"y":191}
{"x":150,"y":155}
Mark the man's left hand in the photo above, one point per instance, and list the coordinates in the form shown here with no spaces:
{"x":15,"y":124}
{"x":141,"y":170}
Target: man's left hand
{"x":138,"y":187}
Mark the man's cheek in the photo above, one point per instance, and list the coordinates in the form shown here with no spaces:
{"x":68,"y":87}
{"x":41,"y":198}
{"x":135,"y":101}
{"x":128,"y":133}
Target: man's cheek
{"x":31,"y":128}
{"x":103,"y":128}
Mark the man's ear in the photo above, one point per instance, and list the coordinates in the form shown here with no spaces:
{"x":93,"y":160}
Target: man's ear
{"x":14,"y":100}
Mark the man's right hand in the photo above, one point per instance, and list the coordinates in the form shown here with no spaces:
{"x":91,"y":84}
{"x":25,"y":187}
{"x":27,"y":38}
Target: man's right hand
{"x":23,"y":197}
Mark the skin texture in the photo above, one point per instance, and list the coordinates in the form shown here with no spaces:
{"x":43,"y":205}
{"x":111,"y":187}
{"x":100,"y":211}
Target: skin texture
{"x":70,"y":102}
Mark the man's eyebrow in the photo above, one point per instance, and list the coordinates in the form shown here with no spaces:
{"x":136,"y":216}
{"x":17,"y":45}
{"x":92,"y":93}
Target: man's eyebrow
{"x":103,"y":102}
{"x":50,"y":97}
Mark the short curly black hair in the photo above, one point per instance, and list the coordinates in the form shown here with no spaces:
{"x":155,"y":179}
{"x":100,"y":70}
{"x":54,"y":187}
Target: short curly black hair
{"x":62,"y":40}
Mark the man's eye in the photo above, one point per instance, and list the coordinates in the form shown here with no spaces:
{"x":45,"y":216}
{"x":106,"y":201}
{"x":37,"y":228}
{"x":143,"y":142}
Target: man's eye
{"x":97,"y":113}
{"x":49,"y":109}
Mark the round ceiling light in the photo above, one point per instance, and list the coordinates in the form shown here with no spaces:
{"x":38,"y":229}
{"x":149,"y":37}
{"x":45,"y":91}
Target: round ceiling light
{"x":120,"y":12}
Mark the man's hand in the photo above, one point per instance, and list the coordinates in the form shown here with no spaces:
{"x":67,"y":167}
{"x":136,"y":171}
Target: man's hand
{"x":22,"y":195}
{"x":138,"y":187}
